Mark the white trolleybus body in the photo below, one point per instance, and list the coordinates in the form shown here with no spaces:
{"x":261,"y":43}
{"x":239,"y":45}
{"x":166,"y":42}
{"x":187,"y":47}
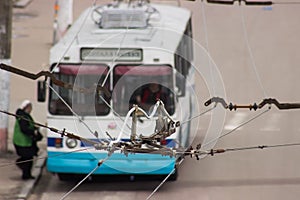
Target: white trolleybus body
{"x":129,"y":48}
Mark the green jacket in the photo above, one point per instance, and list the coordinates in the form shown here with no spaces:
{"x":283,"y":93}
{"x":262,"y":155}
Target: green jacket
{"x":23,"y":130}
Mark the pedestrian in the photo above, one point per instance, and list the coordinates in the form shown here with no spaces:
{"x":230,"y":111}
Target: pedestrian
{"x":25,"y":139}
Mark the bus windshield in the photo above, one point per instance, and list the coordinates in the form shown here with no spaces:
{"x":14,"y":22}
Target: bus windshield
{"x":85,"y":76}
{"x":142,"y":85}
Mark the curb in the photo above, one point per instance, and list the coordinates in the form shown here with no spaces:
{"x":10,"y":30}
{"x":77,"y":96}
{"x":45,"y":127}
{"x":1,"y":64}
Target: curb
{"x":37,"y":172}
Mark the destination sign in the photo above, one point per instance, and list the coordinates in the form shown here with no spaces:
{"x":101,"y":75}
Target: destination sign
{"x":110,"y":54}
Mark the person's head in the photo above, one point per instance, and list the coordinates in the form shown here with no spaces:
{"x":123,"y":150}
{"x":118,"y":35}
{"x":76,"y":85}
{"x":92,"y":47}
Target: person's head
{"x":154,"y":87}
{"x":26,"y":105}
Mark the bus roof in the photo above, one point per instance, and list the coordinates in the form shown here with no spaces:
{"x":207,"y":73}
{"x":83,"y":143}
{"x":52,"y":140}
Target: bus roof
{"x":164,"y":31}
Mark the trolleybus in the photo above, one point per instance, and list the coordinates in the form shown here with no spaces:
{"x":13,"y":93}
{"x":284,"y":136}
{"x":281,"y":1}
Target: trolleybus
{"x":127,"y":47}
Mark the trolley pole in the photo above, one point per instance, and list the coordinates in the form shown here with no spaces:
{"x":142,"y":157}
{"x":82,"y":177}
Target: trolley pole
{"x":5,"y":57}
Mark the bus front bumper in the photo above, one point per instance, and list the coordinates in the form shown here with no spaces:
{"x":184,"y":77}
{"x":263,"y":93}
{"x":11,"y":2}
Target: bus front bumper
{"x":84,"y":163}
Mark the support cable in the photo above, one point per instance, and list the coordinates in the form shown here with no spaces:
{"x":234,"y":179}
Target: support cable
{"x":254,"y":66}
{"x":74,"y":113}
{"x":75,"y":37}
{"x":237,"y":127}
{"x":255,"y":106}
{"x":205,"y":28}
{"x":199,"y":115}
{"x":55,"y":130}
{"x":191,"y":152}
{"x":87,"y":176}
{"x":59,"y":83}
{"x":48,"y":74}
{"x":159,"y":186}
{"x":44,"y":157}
{"x":252,"y":3}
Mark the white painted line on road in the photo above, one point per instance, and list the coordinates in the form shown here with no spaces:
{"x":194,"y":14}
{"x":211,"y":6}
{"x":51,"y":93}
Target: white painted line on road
{"x":236,"y":120}
{"x":271,"y":123}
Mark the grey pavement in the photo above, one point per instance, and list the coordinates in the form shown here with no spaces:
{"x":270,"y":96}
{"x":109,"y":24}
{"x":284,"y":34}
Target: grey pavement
{"x":11,"y":184}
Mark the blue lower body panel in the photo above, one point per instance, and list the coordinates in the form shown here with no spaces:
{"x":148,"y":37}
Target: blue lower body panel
{"x":84,"y":163}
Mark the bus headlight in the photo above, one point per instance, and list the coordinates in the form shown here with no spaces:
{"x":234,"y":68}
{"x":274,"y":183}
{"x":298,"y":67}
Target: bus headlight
{"x":71,"y":143}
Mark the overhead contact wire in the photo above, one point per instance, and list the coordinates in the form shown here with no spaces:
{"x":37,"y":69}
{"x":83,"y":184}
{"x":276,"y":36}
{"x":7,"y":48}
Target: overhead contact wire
{"x":253,"y":64}
{"x":165,"y":179}
{"x":239,"y":126}
{"x":86,"y":177}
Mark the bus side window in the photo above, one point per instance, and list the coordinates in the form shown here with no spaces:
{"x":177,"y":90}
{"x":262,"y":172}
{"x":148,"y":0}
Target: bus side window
{"x":180,"y":76}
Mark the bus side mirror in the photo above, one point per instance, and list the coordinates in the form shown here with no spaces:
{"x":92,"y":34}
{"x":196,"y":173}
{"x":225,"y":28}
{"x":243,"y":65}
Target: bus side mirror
{"x":180,"y":84}
{"x":41,"y":92}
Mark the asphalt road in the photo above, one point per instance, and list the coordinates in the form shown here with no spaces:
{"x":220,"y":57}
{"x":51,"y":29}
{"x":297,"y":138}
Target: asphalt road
{"x":270,"y":69}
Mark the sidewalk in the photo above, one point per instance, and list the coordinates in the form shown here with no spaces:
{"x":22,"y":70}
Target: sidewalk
{"x":11,"y":184}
